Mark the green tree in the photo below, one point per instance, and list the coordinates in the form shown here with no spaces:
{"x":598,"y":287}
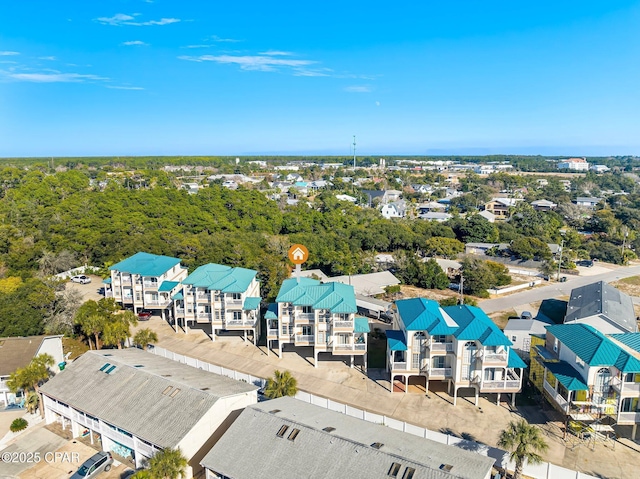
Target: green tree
{"x":168,"y":464}
{"x":281,"y":384}
{"x":530,"y":248}
{"x":443,"y":247}
{"x":92,"y":325}
{"x":18,"y":424}
{"x":30,"y":377}
{"x":500,"y":273}
{"x":477,"y":276}
{"x":432,"y":276}
{"x":144,"y":337}
{"x":525,"y":442}
{"x":117,"y":328}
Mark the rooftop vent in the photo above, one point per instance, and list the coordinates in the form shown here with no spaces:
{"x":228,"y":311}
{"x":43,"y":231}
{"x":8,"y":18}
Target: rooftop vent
{"x":166,"y":390}
{"x":204,"y":389}
{"x":174,"y":393}
{"x":377,"y":445}
{"x":110,"y":369}
{"x":139,"y":366}
{"x":446,"y":467}
{"x":273,"y":411}
{"x":281,"y":431}
{"x":108,"y":354}
{"x":329,"y":429}
{"x":394,"y":470}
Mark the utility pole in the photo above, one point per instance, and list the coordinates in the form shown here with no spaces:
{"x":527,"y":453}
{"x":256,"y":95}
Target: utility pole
{"x":560,"y":262}
{"x":354,"y":152}
{"x":461,"y":289}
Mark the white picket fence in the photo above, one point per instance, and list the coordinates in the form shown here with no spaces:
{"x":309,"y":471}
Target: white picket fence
{"x":542,"y":471}
{"x":510,"y":289}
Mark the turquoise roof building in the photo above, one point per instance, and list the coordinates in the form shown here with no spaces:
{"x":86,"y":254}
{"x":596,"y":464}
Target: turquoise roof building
{"x":217,"y":277}
{"x":146,"y":264}
{"x":335,"y":297}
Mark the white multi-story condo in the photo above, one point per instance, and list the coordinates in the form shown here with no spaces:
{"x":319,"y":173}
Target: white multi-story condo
{"x":583,"y":371}
{"x":575,"y":164}
{"x":459,"y":345}
{"x":224,"y":297}
{"x":320,"y":315}
{"x":145,"y":281}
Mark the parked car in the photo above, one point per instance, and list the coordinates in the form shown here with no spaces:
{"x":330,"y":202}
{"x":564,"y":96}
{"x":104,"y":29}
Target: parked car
{"x":526,"y":315}
{"x":563,"y":279}
{"x":94,"y":466}
{"x":144,"y":315}
{"x":81,"y":278}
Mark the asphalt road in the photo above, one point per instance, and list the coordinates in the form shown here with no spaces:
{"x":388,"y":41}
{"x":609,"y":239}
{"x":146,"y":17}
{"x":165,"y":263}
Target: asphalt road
{"x":554,"y":289}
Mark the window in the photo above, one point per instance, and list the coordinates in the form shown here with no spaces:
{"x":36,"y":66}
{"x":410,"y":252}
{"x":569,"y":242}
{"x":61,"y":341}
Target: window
{"x":166,"y":390}
{"x":580,"y":362}
{"x":307,"y":330}
{"x":294,"y":434}
{"x":377,"y":445}
{"x":282,"y":430}
{"x":555,"y":345}
{"x":394,"y":470}
{"x":439,"y":362}
{"x":514,"y":339}
{"x":106,"y":365}
{"x":415,"y":361}
{"x":236,"y":296}
{"x":237,"y":315}
{"x":307,"y":310}
{"x":439,"y":338}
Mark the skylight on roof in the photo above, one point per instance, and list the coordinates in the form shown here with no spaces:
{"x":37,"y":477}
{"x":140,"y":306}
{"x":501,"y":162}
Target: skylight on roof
{"x":329,"y":429}
{"x":394,"y":470}
{"x":446,"y":467}
{"x":166,"y":390}
{"x":105,"y":366}
{"x":408,"y":473}
{"x":110,"y":369}
{"x":174,"y":393}
{"x":294,"y":434}
{"x":377,"y":445}
{"x":282,"y":430}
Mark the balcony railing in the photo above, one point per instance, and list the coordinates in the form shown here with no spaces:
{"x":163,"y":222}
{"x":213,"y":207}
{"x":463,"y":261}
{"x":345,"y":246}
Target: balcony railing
{"x":440,"y":372}
{"x":240,"y":322}
{"x":343,"y":324}
{"x":151,"y":284}
{"x":492,"y":357}
{"x":305,"y":316}
{"x":560,"y":401}
{"x":233,"y":302}
{"x":3,"y":386}
{"x":200,"y":315}
{"x":510,"y":384}
{"x":108,"y":293}
{"x":625,"y":387}
{"x":155,"y":302}
{"x":272,"y":332}
{"x":448,"y":347}
{"x":629,"y":417}
{"x":304,"y":338}
{"x":126,"y":281}
{"x":400,"y":366}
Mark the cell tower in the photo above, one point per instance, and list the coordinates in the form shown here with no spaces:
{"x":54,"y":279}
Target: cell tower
{"x":354,"y":152}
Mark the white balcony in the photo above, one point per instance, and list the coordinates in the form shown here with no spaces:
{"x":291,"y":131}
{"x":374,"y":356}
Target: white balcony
{"x":629,"y":418}
{"x":3,"y":386}
{"x":305,"y":316}
{"x":272,"y":333}
{"x":248,"y":322}
{"x":626,"y":388}
{"x":487,"y":357}
{"x":157,"y":303}
{"x":202,"y":315}
{"x":108,"y":293}
{"x":440,"y":373}
{"x":233,"y":302}
{"x":559,"y":400}
{"x":441,"y":347}
{"x":399,"y":366}
{"x":346,"y":325}
{"x":304,"y":339}
{"x":500,"y":385}
{"x":150,"y":285}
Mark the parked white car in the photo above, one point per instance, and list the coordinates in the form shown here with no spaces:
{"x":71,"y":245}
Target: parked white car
{"x":81,"y":278}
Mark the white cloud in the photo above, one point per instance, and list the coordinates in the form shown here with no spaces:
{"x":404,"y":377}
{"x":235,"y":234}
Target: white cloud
{"x":359,"y":89}
{"x":115,"y":87}
{"x":275,"y":53}
{"x":48,"y":58}
{"x":54,"y":77}
{"x":120,"y":19}
{"x":216,"y":38}
{"x":305,"y":72}
{"x":7,"y":54}
{"x":134,"y":42}
{"x":251,"y":62}
{"x":197,"y":46}
{"x":377,"y":103}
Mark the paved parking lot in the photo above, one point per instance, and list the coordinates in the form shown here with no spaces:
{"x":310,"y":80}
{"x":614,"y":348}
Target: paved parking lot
{"x":88,"y":291}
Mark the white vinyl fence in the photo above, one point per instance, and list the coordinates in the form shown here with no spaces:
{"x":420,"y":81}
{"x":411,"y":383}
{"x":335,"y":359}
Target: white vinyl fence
{"x":542,"y":471}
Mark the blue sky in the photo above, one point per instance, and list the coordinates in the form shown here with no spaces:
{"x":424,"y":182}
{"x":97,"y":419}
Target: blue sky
{"x":162,"y":77}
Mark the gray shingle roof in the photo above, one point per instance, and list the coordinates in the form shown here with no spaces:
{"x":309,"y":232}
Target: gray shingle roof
{"x":602,"y":299}
{"x":18,"y":352}
{"x":251,"y":448}
{"x":131,"y":396}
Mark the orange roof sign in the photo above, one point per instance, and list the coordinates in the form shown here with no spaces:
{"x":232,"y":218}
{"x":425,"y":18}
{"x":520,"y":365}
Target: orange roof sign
{"x":298,"y":254}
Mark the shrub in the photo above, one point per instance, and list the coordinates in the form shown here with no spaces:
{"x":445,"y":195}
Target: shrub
{"x":18,"y":425}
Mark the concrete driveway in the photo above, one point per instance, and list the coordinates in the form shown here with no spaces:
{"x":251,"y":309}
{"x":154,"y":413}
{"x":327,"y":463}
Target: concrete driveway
{"x":21,"y":455}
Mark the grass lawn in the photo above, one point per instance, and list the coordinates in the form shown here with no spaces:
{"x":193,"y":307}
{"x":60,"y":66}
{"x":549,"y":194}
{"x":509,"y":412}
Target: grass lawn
{"x":501,"y":318}
{"x":74,"y":346}
{"x":633,"y":280}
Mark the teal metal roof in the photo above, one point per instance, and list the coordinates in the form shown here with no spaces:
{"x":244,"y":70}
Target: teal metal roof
{"x":419,"y":314}
{"x":335,"y":297}
{"x":168,"y":285}
{"x":217,"y":277}
{"x":593,"y":347}
{"x":515,"y":361}
{"x":146,"y":264}
{"x":361,"y":325}
{"x":396,"y":340}
{"x":106,"y":281}
{"x":251,"y":303}
{"x":272,"y":311}
{"x":629,"y":339}
{"x":566,"y":375}
{"x":177,"y":296}
{"x":475,"y":325}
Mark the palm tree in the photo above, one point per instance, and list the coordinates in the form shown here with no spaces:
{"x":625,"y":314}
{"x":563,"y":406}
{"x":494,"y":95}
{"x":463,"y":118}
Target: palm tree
{"x":30,"y":377}
{"x":32,"y":402}
{"x":144,"y":337}
{"x":524,"y":441}
{"x":168,"y":464}
{"x":281,"y":384}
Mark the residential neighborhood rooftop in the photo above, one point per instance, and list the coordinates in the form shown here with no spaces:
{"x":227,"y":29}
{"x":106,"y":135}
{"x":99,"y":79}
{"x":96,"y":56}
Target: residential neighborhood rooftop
{"x":291,"y":439}
{"x":217,"y":277}
{"x":18,"y":352}
{"x":152,"y":397}
{"x":336,"y":297}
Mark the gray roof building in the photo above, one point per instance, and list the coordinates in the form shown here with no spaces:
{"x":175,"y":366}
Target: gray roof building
{"x":602,"y":306}
{"x":151,"y":397}
{"x":291,"y":439}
